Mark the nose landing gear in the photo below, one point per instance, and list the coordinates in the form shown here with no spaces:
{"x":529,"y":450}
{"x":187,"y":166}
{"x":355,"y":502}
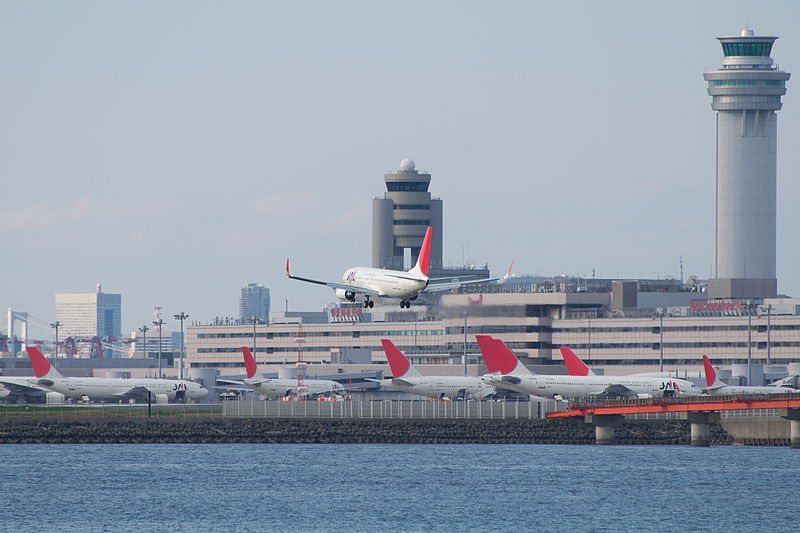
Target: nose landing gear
{"x":405,"y":304}
{"x":368,"y":303}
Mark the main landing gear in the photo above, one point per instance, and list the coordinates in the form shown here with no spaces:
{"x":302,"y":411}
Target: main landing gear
{"x":368,"y":303}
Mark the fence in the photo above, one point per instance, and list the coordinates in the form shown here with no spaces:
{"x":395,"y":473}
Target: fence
{"x":257,"y":408}
{"x":97,"y":411}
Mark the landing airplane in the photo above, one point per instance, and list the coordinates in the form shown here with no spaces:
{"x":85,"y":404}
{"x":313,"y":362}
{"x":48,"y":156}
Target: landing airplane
{"x":380,"y":282}
{"x":408,"y":379}
{"x":113,"y":389}
{"x":278,"y":388}
{"x":717,"y":386}
{"x":506,"y":371}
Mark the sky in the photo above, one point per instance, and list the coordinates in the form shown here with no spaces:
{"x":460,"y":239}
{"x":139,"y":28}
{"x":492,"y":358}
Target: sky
{"x":176,"y":151}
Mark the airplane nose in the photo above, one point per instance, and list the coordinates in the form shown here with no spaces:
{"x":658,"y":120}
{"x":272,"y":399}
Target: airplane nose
{"x":203,"y":391}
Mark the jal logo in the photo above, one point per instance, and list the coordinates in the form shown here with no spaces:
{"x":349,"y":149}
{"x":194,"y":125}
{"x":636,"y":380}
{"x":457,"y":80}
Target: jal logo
{"x":670,"y":385}
{"x":179,"y":386}
{"x":351,"y":276}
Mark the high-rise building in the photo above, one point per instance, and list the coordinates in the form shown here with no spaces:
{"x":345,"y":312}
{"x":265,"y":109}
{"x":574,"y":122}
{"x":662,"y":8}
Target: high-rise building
{"x":87,"y":315}
{"x":400,"y":218}
{"x":254,"y":302}
{"x":746,"y":92}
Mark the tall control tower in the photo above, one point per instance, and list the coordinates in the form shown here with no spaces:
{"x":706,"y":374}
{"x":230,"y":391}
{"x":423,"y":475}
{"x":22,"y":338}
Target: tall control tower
{"x":401,"y":217}
{"x":746,"y":92}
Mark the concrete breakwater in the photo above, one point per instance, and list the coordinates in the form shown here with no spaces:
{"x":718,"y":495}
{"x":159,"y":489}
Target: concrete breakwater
{"x":400,"y":431}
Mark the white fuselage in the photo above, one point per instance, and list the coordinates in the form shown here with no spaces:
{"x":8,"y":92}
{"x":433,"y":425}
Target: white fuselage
{"x":116,"y":388}
{"x":441,"y":386}
{"x":278,"y":388}
{"x":390,"y":283}
{"x":740,"y":389}
{"x":571,"y":386}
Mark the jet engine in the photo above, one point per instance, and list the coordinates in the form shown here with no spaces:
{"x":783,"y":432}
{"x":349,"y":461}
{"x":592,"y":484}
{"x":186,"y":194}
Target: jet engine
{"x":342,"y":294}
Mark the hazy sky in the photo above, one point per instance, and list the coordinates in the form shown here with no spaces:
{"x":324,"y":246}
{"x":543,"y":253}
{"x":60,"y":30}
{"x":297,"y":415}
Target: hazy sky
{"x":175,"y":151}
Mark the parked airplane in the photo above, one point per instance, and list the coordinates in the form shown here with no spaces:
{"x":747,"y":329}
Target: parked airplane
{"x":407,"y":378}
{"x":278,"y":388}
{"x":14,"y":389}
{"x":576,"y":367}
{"x":375,"y":282}
{"x":112,"y":388}
{"x":717,"y":386}
{"x":506,"y":371}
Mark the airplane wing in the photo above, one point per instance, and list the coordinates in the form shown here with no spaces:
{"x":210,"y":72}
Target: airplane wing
{"x":332,"y":284}
{"x":617,"y":391}
{"x":447,"y":284}
{"x":138,"y":393}
{"x":21,"y":389}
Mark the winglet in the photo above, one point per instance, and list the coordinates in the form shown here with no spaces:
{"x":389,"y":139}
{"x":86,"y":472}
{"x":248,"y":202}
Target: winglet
{"x":421,"y":268}
{"x":41,"y":366}
{"x":575,"y":365}
{"x":249,"y":362}
{"x":287,"y":268}
{"x":399,"y":363}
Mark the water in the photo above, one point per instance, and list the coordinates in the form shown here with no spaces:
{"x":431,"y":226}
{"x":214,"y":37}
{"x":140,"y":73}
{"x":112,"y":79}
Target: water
{"x":414,"y":488}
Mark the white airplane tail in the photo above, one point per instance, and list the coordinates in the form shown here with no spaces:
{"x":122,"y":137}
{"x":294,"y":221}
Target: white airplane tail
{"x":575,"y":365}
{"x":399,"y":363}
{"x":712,"y":379}
{"x":421,"y":268}
{"x":41,"y":366}
{"x":499,"y":358}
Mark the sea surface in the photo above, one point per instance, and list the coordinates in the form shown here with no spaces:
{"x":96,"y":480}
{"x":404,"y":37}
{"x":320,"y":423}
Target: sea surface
{"x":396,"y":487}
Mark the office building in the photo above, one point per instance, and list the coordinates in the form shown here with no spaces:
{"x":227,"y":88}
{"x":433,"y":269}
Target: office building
{"x":254,"y":302}
{"x":84,"y":316}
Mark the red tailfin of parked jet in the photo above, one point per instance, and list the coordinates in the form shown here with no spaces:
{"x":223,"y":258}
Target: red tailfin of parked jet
{"x":575,"y":365}
{"x":249,"y":362}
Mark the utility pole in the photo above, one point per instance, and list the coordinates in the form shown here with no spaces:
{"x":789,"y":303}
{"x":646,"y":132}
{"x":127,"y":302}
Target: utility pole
{"x":158,"y":323}
{"x":144,"y":329}
{"x":182,"y":316}
{"x":55,"y":325}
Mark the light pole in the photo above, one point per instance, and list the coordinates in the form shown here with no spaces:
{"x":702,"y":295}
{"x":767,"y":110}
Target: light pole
{"x":55,"y":325}
{"x":255,"y":320}
{"x":158,"y":323}
{"x":589,"y":343}
{"x":769,"y":345}
{"x":182,"y":316}
{"x":660,"y":315}
{"x":749,"y":343}
{"x":465,"y":344}
{"x":144,"y":329}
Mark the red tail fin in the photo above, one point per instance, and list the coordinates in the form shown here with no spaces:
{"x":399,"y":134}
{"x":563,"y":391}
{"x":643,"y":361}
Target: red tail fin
{"x":249,"y":362}
{"x":424,"y":254}
{"x":397,"y":361}
{"x":499,"y":358}
{"x":711,"y":374}
{"x":575,"y":365}
{"x":486,"y":345}
{"x":41,"y":366}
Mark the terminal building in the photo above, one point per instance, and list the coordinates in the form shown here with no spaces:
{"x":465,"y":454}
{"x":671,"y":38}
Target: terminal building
{"x":616,"y":332}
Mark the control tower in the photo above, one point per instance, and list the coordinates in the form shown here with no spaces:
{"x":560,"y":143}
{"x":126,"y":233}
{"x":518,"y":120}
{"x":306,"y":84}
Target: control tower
{"x":401,"y":217}
{"x":746,"y":92}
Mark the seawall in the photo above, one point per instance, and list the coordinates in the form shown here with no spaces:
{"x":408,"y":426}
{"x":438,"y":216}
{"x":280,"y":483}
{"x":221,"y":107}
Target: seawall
{"x":406,"y":431}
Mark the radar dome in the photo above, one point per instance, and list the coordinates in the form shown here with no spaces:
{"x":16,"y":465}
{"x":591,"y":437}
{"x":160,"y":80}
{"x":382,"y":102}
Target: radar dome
{"x":407,"y":164}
